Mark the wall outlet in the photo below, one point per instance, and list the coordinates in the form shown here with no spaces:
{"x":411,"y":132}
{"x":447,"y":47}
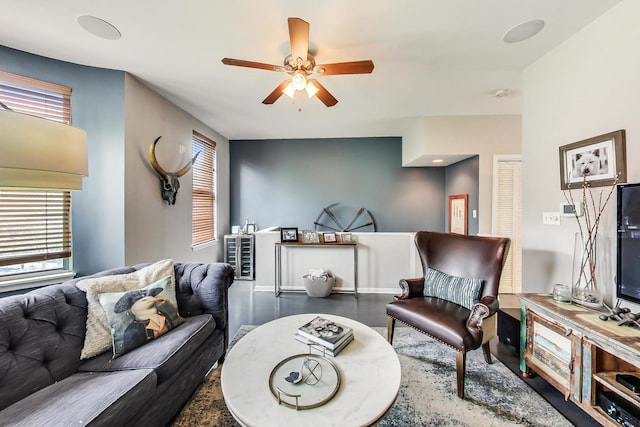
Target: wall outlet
{"x":474,"y":214}
{"x":551,"y":218}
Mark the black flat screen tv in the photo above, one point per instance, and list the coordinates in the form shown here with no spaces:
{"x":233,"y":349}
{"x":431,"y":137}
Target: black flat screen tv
{"x":628,"y":257}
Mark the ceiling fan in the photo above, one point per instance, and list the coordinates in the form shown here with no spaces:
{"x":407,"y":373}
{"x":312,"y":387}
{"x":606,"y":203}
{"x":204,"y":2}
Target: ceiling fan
{"x":300,"y":65}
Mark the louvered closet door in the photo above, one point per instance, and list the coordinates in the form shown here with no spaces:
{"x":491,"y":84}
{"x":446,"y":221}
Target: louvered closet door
{"x":507,"y":217}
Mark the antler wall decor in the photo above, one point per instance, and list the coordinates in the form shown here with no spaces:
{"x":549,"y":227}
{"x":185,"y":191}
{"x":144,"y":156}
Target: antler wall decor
{"x":169,"y":183}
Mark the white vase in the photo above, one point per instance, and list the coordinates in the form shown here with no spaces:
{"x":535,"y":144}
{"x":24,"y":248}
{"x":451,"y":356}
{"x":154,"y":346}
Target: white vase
{"x":590,"y":270}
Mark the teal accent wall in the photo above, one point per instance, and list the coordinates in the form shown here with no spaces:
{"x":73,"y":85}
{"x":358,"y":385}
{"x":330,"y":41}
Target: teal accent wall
{"x":463,"y":178}
{"x":288,"y":182}
{"x":97,"y":106}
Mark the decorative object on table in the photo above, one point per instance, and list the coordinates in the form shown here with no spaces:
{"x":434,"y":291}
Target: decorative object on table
{"x":329,"y":237}
{"x":622,"y":315}
{"x":235,"y":229}
{"x":346,"y":238}
{"x":309,"y":392}
{"x":310,"y":236}
{"x":458,"y":213}
{"x":319,"y":283}
{"x":288,"y":234}
{"x":361,"y":219}
{"x":294,"y":377}
{"x":326,"y":332}
{"x":249,"y":227}
{"x":168,"y":180}
{"x":562,"y":294}
{"x":592,"y":266}
{"x":599,"y":161}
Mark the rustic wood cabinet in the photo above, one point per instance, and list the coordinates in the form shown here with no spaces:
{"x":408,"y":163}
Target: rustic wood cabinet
{"x":579,"y":354}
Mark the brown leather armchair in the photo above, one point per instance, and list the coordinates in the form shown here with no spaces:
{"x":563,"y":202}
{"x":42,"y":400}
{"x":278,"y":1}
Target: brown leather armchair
{"x":459,"y":327}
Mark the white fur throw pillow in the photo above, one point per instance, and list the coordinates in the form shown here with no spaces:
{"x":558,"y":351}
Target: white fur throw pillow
{"x":98,"y":336}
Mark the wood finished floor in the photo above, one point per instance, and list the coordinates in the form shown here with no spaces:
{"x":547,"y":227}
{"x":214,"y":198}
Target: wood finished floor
{"x":247,"y":307}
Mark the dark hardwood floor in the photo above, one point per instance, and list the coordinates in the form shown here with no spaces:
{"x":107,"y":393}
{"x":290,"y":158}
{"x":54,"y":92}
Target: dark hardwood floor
{"x":247,"y":307}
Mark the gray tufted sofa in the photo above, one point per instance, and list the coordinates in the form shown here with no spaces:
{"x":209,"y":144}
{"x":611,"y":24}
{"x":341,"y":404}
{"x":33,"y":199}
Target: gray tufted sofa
{"x":43,"y":382}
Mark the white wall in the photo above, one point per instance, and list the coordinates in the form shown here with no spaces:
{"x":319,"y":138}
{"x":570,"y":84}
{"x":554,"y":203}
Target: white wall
{"x":153,"y":229}
{"x":586,"y":87}
{"x":468,"y":135}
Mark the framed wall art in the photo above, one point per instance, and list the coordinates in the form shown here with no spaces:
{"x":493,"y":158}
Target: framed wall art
{"x":599,"y":161}
{"x":288,"y":234}
{"x":458,"y":213}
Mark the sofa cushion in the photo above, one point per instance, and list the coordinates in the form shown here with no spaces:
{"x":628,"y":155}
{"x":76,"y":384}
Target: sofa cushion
{"x":459,"y":290}
{"x":139,"y":316}
{"x":165,"y":355}
{"x":98,"y":334}
{"x":105,"y":398}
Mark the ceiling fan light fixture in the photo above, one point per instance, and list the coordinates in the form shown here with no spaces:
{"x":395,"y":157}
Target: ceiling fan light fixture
{"x":299,"y":80}
{"x":289,"y":90}
{"x":311,"y":89}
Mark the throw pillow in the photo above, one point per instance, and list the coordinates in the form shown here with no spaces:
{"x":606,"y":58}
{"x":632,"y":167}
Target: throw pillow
{"x":98,"y":335}
{"x":141,"y":315}
{"x":459,"y":290}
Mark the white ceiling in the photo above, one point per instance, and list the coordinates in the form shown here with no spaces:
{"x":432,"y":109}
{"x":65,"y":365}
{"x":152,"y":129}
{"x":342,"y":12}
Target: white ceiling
{"x":432,"y":57}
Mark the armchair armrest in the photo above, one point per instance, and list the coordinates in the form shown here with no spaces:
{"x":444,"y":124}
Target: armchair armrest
{"x":411,"y":288}
{"x":488,"y":306}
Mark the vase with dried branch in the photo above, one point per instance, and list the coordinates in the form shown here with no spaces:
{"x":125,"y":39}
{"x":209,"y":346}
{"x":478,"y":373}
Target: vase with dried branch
{"x":586,"y":288}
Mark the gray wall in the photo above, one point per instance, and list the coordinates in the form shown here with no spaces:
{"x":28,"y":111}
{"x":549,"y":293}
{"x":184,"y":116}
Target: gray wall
{"x":462,"y":178}
{"x":97,"y":106}
{"x":288,"y":182}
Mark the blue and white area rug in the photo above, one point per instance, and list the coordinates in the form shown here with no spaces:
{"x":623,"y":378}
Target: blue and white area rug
{"x":494,"y":396}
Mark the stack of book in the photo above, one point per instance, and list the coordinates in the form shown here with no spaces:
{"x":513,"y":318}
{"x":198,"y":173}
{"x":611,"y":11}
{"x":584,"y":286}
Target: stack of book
{"x":327,"y":333}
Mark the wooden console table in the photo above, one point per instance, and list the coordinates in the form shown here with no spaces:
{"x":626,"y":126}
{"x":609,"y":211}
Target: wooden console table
{"x":291,"y":245}
{"x":579,"y":354}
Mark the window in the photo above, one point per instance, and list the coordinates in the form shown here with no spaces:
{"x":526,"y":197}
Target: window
{"x":35,"y":230}
{"x":203,"y":223}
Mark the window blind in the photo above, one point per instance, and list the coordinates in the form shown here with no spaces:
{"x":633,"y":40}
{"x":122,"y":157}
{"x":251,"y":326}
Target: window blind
{"x":508,"y":220}
{"x":34,"y":226}
{"x":38,"y":98}
{"x":203,"y":190}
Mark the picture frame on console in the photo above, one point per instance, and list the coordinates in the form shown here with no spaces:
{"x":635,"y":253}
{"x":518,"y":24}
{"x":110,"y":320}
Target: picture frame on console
{"x":288,"y":234}
{"x":329,"y":237}
{"x":600,"y":161}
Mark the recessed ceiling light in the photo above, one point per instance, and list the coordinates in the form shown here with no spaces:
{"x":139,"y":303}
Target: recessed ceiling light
{"x":437,"y":160}
{"x":99,"y":27}
{"x":502,"y":93}
{"x":523,"y":31}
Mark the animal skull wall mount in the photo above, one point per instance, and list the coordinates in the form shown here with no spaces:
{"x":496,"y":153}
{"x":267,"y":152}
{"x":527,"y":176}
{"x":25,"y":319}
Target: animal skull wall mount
{"x":169,"y":183}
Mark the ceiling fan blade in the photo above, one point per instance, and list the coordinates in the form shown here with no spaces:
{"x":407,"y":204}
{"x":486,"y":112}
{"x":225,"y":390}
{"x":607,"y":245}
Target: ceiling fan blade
{"x":323,"y":94}
{"x":277,"y":92}
{"x":251,"y":64}
{"x":355,"y":67}
{"x":299,"y":38}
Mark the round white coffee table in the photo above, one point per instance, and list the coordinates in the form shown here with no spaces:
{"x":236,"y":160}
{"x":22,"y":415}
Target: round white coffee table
{"x":369,"y":370}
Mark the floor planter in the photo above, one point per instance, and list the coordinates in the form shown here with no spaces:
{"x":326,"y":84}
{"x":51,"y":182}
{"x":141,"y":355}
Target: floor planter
{"x":319,"y":286}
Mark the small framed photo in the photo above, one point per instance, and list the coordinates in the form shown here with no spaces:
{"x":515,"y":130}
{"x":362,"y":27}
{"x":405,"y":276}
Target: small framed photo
{"x":599,"y":161}
{"x":288,"y":234}
{"x":346,"y":238}
{"x":251,"y":228}
{"x":310,"y":236}
{"x":329,"y":237}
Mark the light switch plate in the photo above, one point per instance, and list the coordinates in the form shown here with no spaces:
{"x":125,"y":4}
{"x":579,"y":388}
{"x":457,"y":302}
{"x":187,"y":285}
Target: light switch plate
{"x":551,"y":218}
